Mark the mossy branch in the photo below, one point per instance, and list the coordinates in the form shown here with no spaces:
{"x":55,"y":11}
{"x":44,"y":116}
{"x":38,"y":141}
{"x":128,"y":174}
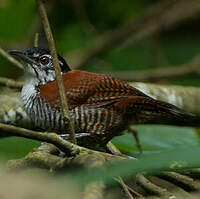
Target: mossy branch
{"x":65,"y":146}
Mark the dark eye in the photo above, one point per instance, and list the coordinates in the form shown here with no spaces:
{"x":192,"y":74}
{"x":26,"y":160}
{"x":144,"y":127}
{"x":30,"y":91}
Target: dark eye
{"x":44,"y":60}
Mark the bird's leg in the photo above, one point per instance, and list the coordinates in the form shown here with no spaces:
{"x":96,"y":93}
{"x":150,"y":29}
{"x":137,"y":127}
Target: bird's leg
{"x":135,"y":134}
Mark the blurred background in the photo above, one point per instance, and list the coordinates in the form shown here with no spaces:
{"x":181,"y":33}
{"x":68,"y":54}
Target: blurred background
{"x":112,"y":37}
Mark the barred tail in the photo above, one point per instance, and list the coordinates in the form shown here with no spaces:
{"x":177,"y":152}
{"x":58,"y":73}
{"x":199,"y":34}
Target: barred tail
{"x":165,"y":113}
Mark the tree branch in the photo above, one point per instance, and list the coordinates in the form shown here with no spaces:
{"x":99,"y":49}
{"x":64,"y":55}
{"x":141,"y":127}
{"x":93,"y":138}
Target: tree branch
{"x":181,"y":180}
{"x":63,"y":98}
{"x":184,"y":97}
{"x":10,"y":58}
{"x":67,"y":147}
{"x":36,"y":38}
{"x":47,"y":156}
{"x":11,"y":83}
{"x":150,"y":187}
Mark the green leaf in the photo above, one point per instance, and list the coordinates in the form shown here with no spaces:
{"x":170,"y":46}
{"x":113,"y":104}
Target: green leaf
{"x":15,"y":147}
{"x":177,"y":159}
{"x":155,"y":138}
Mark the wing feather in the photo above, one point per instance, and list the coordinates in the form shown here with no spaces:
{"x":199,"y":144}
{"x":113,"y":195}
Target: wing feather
{"x":88,"y":88}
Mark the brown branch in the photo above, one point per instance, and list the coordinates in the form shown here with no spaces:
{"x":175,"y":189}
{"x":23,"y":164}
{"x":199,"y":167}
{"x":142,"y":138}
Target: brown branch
{"x":11,"y":83}
{"x":63,"y":98}
{"x":190,"y":68}
{"x":181,"y":180}
{"x":150,"y":187}
{"x":36,"y":160}
{"x":10,"y":58}
{"x":67,"y":147}
{"x":160,"y":16}
{"x":125,"y":187}
{"x":141,"y":180}
{"x":46,"y":156}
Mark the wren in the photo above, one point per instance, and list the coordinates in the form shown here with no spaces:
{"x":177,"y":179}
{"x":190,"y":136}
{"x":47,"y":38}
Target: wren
{"x":100,"y":106}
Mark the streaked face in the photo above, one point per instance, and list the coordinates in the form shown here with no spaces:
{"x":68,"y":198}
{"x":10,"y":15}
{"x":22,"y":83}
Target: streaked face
{"x":42,"y":67}
{"x":40,"y":64}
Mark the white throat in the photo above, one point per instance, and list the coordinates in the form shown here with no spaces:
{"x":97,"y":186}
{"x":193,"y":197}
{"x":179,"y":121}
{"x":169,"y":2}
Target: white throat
{"x":29,"y":89}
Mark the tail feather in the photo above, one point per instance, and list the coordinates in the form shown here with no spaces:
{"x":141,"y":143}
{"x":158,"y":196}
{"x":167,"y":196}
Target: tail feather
{"x":148,"y":110}
{"x":165,"y":113}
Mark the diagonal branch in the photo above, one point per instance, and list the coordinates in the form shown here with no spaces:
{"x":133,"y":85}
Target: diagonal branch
{"x":63,"y":98}
{"x":11,"y":83}
{"x":10,"y":58}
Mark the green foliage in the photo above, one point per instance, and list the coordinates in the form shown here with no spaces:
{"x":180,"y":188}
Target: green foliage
{"x":176,"y":159}
{"x":15,"y":147}
{"x":16,"y":17}
{"x":113,"y":13}
{"x":67,"y":43}
{"x":157,"y":138}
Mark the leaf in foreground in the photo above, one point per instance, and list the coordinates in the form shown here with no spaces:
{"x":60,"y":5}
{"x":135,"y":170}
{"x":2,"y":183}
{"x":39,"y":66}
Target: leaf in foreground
{"x":179,"y":159}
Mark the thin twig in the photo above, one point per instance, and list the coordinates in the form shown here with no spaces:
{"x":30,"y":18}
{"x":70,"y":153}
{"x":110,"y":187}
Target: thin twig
{"x":150,"y":187}
{"x":182,"y":180}
{"x":135,"y":192}
{"x":11,"y":83}
{"x":116,"y":151}
{"x":36,"y":38}
{"x":63,"y":98}
{"x":125,"y":187}
{"x":10,"y":58}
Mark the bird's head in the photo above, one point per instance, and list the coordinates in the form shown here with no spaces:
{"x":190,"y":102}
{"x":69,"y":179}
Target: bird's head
{"x":39,"y":64}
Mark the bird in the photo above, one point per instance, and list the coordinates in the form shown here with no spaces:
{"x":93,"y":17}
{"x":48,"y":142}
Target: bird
{"x":100,"y":106}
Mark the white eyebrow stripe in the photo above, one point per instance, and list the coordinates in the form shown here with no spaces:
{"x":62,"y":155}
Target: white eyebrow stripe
{"x":47,"y":55}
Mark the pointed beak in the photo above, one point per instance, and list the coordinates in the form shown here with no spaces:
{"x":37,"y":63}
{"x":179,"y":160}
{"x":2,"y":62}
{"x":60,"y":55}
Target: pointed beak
{"x":20,"y":54}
